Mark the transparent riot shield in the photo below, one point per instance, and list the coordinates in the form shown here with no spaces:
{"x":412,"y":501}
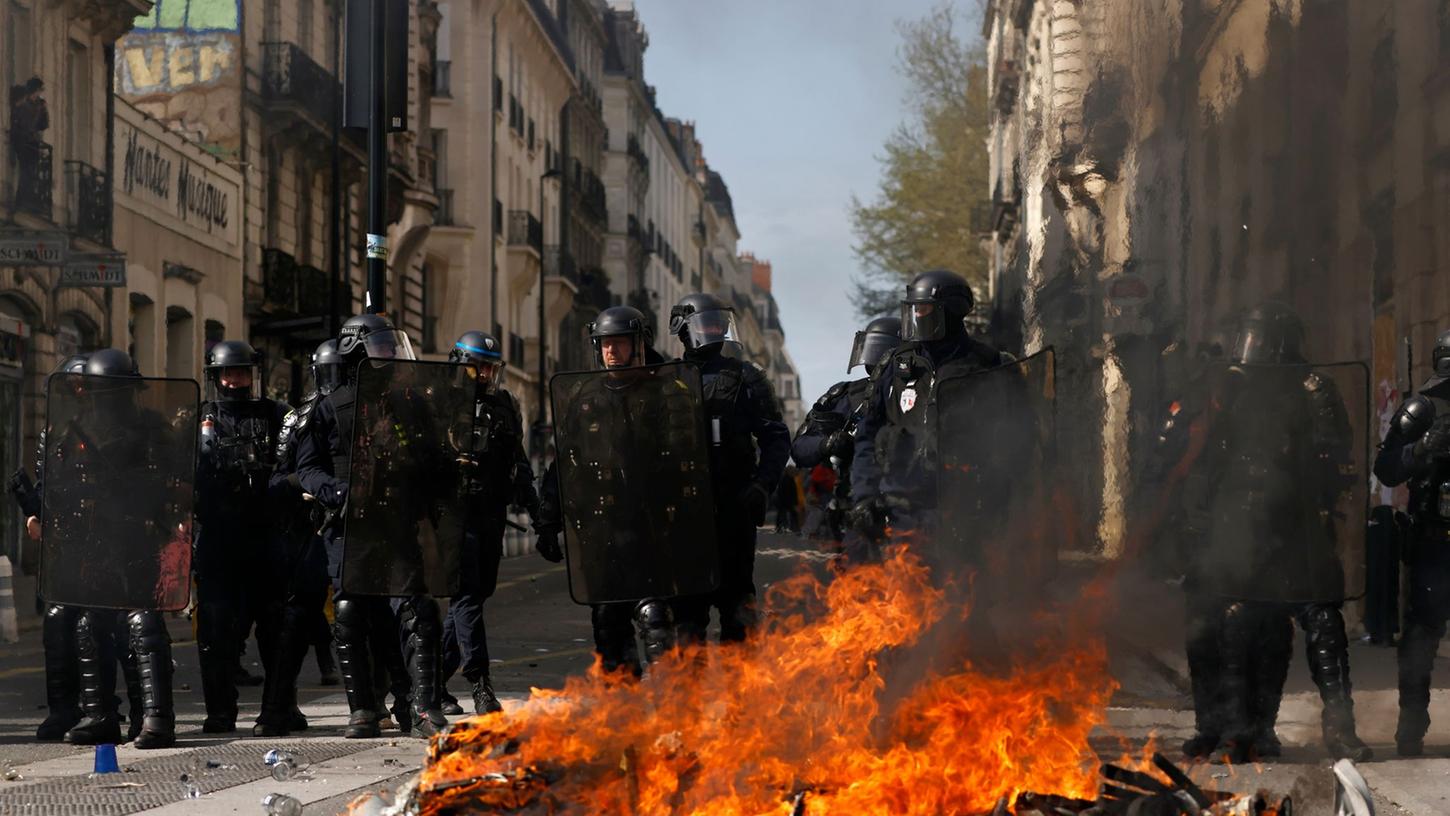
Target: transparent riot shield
{"x":1280,"y":496}
{"x":118,"y":487}
{"x":634,"y":480}
{"x":412,"y":444}
{"x":996,"y":438}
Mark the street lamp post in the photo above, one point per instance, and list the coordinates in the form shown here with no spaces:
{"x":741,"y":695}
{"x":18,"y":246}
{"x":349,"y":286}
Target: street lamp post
{"x":542,"y":422}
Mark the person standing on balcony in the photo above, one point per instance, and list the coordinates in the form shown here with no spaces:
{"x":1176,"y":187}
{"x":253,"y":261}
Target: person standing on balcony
{"x":29,"y":117}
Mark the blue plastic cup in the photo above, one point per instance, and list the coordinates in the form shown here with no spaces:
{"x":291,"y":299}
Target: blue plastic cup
{"x":106,"y":759}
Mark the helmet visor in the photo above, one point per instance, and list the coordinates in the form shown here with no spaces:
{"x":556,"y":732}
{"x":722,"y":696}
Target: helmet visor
{"x":487,"y":373}
{"x":389,"y":344}
{"x":241,"y":382}
{"x":703,"y":329}
{"x":326,"y":377}
{"x":922,"y":322}
{"x":870,"y":349}
{"x":1260,"y":345}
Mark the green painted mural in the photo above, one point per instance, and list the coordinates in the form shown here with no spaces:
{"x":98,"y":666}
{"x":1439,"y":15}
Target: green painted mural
{"x":182,"y":65}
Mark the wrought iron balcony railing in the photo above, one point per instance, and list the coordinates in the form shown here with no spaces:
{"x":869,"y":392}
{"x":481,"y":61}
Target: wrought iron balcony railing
{"x":558,"y":261}
{"x":90,"y":201}
{"x":525,"y":230}
{"x":34,"y":179}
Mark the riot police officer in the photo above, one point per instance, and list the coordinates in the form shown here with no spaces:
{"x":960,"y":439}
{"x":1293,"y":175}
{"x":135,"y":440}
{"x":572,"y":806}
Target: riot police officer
{"x":239,"y":431}
{"x":826,"y":435}
{"x":893,"y":469}
{"x":297,"y":582}
{"x":364,"y":625}
{"x":1259,"y":511}
{"x":58,"y":625}
{"x":1416,"y":450}
{"x":101,"y":635}
{"x":622,"y":429}
{"x":749,"y":447}
{"x":498,"y":475}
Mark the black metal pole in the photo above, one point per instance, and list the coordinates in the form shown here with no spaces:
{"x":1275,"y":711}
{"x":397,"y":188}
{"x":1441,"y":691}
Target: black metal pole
{"x":377,"y":240}
{"x":334,"y":236}
{"x":543,"y":331}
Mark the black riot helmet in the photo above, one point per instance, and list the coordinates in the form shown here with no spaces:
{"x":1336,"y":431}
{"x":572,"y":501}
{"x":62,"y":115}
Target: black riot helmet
{"x":112,"y":393}
{"x":1269,"y":334}
{"x":374,"y":336}
{"x":1440,"y":356}
{"x":110,"y":363}
{"x":621,"y":321}
{"x":231,"y":371}
{"x":479,"y":351}
{"x":875,"y":343}
{"x":935,"y":305}
{"x":327,"y":367}
{"x":74,"y":364}
{"x":703,"y":321}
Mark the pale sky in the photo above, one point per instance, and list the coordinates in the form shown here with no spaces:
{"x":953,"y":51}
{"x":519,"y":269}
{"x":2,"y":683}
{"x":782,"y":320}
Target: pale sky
{"x":793,"y":100}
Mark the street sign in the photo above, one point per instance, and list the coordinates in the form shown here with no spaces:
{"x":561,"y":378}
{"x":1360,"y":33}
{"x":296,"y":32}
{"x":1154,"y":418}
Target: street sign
{"x":26,"y":248}
{"x":94,"y":270}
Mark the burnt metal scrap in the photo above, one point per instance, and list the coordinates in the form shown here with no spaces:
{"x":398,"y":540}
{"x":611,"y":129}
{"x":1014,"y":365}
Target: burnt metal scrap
{"x":1127,"y":792}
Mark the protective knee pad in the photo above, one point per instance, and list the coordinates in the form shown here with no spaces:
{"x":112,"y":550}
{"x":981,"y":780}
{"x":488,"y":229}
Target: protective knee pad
{"x":1327,"y":648}
{"x":349,"y":621}
{"x":152,"y":645}
{"x":655,"y":622}
{"x":419,"y":616}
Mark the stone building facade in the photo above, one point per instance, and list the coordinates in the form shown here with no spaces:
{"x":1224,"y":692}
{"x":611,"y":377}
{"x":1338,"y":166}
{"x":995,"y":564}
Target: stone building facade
{"x":1159,"y":168}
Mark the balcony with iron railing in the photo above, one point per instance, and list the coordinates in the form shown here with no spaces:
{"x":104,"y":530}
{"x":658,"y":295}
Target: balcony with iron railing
{"x":636,"y":153}
{"x":296,"y":85}
{"x":34,"y":179}
{"x":559,"y":263}
{"x":90,"y":202}
{"x":525,"y":231}
{"x":291,"y":288}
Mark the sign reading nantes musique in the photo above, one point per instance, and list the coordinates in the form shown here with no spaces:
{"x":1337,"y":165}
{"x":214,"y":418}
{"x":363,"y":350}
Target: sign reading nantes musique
{"x":175,"y":182}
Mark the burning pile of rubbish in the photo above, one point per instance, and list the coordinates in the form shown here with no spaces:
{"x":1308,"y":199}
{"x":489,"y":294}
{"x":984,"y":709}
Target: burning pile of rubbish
{"x":829,"y":710}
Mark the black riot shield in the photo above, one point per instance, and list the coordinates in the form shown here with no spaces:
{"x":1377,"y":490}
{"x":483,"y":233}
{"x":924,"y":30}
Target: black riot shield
{"x":1279,"y":497}
{"x":634,"y":479}
{"x":119,"y":469}
{"x":412,"y":443}
{"x":996,"y":437}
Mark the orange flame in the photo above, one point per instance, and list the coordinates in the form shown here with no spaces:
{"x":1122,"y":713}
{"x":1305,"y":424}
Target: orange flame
{"x":807,"y":706}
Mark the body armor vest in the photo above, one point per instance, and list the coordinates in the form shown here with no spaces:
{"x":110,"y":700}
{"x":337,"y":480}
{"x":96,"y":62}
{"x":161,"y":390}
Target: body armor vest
{"x":1430,"y":492}
{"x":732,"y":453}
{"x":343,"y":401}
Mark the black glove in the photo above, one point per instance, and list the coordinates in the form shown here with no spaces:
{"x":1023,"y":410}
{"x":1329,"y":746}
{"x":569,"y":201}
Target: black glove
{"x":754,"y":499}
{"x":839,"y":444}
{"x":865,"y":515}
{"x":548,"y":545}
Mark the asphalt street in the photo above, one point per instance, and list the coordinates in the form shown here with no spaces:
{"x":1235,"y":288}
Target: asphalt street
{"x":538,"y":637}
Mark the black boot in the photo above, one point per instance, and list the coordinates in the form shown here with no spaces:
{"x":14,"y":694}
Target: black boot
{"x":96,"y":658}
{"x":135,"y":696}
{"x":449,"y":704}
{"x":484,"y":700}
{"x":279,"y":693}
{"x":354,"y":664}
{"x":62,"y":674}
{"x":1204,"y":628}
{"x":1418,"y":645}
{"x":217,"y":653}
{"x":1328,"y":652}
{"x":424,"y":628}
{"x":152,"y":645}
{"x":1270,"y":661}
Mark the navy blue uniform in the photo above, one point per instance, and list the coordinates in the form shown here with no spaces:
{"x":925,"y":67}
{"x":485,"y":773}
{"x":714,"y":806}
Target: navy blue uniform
{"x":235,"y":543}
{"x":749,"y":448}
{"x":895,"y":453}
{"x":1415,"y":452}
{"x":503,"y":476}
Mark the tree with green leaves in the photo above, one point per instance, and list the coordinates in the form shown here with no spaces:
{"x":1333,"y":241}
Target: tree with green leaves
{"x":934,"y":168}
